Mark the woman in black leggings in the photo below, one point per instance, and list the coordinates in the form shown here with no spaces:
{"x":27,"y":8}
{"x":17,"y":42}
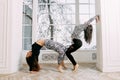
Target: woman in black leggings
{"x":77,"y":43}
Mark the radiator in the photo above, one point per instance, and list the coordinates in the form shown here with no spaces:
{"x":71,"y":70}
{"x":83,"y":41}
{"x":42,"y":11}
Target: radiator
{"x":49,"y":56}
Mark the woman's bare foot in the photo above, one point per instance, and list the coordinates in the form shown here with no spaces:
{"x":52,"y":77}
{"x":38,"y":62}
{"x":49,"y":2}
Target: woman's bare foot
{"x":64,"y":67}
{"x":75,"y":68}
{"x":60,"y":69}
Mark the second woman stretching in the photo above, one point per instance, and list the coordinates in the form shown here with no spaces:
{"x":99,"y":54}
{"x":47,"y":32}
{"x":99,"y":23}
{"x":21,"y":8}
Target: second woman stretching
{"x":77,"y":43}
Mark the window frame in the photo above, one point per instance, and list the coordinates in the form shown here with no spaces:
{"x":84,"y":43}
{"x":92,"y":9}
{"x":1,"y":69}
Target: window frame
{"x":34,"y":16}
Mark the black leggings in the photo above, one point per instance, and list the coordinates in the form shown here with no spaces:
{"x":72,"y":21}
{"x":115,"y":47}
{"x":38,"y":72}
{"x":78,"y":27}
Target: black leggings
{"x":77,"y":44}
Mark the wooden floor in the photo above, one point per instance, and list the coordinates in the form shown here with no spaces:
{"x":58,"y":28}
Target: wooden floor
{"x":49,"y":72}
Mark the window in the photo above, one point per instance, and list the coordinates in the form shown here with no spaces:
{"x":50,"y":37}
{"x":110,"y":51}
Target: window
{"x":27,"y":24}
{"x":56,"y":19}
{"x":86,"y":11}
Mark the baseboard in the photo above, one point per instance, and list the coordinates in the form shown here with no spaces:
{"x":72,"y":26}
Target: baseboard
{"x":111,"y":68}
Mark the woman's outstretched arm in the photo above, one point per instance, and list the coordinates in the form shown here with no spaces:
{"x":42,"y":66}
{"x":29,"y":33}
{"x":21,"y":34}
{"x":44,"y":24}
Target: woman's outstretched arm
{"x":91,"y":19}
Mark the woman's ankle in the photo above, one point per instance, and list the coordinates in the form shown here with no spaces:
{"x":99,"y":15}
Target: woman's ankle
{"x":60,"y":68}
{"x":75,"y":67}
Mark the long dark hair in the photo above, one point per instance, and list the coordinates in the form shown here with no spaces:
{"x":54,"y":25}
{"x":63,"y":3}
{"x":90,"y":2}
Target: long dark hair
{"x":88,"y":33}
{"x":32,"y":63}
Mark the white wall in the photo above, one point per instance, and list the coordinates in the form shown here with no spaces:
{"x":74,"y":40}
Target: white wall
{"x":11,"y":35}
{"x":108,"y":35}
